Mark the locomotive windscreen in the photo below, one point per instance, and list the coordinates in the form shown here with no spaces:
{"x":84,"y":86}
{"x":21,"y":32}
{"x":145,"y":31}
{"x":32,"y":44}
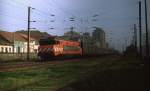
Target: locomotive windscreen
{"x":47,"y":42}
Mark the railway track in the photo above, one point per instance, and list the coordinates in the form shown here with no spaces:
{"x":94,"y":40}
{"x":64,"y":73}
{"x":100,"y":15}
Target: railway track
{"x":4,"y":67}
{"x":13,"y":66}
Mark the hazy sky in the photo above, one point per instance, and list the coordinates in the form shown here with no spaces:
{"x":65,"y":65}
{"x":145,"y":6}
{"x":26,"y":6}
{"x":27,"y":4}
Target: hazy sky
{"x":116,"y":17}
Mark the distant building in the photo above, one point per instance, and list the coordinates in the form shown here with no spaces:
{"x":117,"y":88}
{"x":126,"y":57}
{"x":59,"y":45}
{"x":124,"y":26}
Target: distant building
{"x":87,"y":39}
{"x":87,"y":42}
{"x":15,"y":43}
{"x":86,"y":35}
{"x":99,"y":37}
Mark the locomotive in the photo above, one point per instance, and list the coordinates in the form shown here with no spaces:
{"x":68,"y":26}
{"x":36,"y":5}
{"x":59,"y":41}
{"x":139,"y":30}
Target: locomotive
{"x":51,"y":47}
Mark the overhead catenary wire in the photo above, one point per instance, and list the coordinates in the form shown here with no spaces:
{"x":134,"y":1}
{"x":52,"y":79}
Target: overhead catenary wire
{"x":47,"y":14}
{"x":38,"y":12}
{"x":20,"y":3}
{"x":62,"y":10}
{"x":11,"y":17}
{"x":60,"y":7}
{"x":13,"y":4}
{"x":41,"y":12}
{"x":25,"y":6}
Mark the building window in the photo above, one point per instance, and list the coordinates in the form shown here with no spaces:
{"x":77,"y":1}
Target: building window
{"x":6,"y":50}
{"x":19,"y":49}
{"x":9,"y":49}
{"x":2,"y":49}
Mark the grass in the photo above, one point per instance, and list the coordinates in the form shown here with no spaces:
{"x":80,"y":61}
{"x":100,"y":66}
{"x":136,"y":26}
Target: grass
{"x":53,"y":77}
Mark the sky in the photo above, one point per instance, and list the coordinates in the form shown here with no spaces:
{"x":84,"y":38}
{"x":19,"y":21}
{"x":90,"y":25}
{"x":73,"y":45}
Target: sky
{"x":116,"y":17}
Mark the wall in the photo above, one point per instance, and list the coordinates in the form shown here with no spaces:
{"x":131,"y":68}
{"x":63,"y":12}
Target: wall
{"x":33,"y":47}
{"x":17,"y":57}
{"x":6,"y":49}
{"x":20,"y":47}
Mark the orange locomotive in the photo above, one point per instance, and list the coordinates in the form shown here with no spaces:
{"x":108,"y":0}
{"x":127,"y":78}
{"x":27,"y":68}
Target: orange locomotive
{"x":52,"y":47}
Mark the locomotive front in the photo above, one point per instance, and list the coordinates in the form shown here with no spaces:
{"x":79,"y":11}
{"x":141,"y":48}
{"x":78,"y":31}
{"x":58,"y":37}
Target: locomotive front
{"x":46,"y":48}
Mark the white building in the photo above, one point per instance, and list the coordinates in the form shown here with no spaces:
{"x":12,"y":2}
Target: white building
{"x":16,"y":43}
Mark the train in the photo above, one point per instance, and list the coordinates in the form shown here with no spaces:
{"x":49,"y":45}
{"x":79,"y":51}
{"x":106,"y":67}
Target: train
{"x":52,"y":47}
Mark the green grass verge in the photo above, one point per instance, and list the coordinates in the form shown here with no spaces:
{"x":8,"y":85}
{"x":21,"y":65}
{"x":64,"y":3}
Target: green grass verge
{"x":56,"y":76}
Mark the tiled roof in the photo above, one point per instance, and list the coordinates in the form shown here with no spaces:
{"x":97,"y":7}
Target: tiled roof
{"x":25,"y":36}
{"x":37,"y":35}
{"x":9,"y":37}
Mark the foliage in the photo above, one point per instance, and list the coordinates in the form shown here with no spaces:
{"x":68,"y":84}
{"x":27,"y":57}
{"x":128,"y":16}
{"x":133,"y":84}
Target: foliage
{"x":98,"y":29}
{"x":72,"y":35}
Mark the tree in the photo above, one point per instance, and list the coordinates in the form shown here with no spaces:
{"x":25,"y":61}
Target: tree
{"x":72,"y":35}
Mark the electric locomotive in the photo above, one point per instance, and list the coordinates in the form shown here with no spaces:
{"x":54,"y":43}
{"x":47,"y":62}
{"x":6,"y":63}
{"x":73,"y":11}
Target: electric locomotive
{"x":53,"y":47}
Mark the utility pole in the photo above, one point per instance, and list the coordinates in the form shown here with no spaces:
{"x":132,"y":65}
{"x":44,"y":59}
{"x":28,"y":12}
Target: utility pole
{"x":13,"y":42}
{"x":135,"y":36}
{"x":72,"y":28}
{"x":81,"y":41}
{"x":28,"y":43}
{"x":140,"y":30}
{"x":126,"y":43}
{"x":146,"y":27}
